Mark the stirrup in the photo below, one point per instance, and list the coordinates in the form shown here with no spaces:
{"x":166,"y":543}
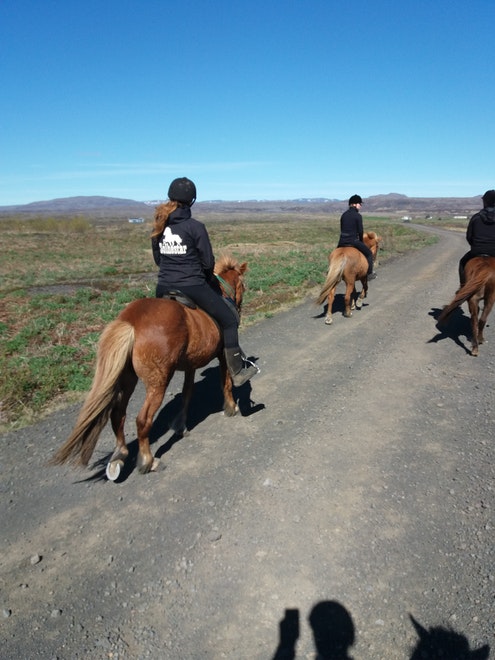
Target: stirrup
{"x":250,"y":362}
{"x":245,"y":374}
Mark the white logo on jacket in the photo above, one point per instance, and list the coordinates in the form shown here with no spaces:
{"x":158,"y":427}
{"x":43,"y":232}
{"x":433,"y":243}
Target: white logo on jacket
{"x":172,"y":243}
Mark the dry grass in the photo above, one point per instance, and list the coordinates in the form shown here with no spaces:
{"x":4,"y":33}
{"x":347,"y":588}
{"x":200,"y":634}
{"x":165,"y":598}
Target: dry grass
{"x":62,"y":281}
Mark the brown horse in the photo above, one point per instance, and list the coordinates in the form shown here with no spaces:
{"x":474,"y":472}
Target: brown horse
{"x":480,"y":285}
{"x":150,"y":340}
{"x":350,"y":265}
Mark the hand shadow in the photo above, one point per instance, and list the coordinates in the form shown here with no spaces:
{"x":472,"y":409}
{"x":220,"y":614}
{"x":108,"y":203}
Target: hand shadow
{"x":289,"y":634}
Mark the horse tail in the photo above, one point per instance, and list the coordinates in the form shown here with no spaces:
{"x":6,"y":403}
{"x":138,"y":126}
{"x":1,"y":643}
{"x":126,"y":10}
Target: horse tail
{"x":466,"y":291}
{"x":113,"y":355}
{"x":334,"y":276}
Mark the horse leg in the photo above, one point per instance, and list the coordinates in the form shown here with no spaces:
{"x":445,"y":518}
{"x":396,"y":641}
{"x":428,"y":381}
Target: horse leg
{"x":474,"y":311}
{"x":118,"y":417}
{"x":347,"y":299}
{"x":230,"y":407}
{"x":362,"y":295}
{"x":146,"y":462}
{"x":178,"y":425}
{"x":331,"y":297}
{"x":487,"y":308}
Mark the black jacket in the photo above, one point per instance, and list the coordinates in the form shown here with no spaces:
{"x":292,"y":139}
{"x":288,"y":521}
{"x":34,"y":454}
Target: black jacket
{"x":183,"y":251}
{"x":351,"y":227}
{"x":480,"y":233}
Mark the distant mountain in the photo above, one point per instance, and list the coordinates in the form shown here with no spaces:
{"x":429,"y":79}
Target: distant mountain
{"x":68,"y":204}
{"x":95,"y":207}
{"x":392,"y":204}
{"x":117,"y":208}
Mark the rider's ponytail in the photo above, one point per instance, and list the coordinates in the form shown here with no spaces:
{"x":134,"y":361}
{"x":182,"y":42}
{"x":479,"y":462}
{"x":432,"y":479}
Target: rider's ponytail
{"x":162,"y":214}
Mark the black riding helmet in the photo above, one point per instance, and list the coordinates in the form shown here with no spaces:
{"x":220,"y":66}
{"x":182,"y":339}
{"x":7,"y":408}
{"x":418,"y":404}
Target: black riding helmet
{"x":355,"y":199}
{"x":489,"y":199}
{"x":183,"y":191}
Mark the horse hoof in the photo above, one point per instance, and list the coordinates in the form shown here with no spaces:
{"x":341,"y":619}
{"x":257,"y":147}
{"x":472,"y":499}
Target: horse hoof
{"x":113,"y":470}
{"x":231,"y":411}
{"x":328,"y":321}
{"x":155,"y":466}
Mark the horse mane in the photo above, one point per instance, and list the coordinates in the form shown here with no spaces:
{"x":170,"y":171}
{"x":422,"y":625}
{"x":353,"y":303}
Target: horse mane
{"x":372,"y":239}
{"x":227,"y":262}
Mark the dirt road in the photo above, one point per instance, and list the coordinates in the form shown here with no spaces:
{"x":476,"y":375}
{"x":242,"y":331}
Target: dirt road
{"x":356,"y":490}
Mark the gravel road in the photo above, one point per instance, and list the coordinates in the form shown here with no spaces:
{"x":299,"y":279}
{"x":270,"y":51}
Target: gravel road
{"x":348,"y":511}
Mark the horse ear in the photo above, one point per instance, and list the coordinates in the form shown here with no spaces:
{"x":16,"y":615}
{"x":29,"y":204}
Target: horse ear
{"x":243,"y":268}
{"x":422,"y":632}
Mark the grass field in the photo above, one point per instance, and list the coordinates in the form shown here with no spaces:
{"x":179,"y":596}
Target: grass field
{"x":63,"y":280}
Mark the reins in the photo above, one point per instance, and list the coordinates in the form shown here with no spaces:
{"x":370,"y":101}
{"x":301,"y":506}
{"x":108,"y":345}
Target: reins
{"x":229,"y":290}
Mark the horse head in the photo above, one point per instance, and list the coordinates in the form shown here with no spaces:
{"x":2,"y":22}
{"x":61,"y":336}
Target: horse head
{"x":442,"y":643}
{"x":230,"y":276}
{"x":373,"y":241}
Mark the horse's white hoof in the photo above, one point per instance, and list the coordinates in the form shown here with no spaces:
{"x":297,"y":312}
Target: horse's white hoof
{"x":113,"y":470}
{"x":155,"y":465}
{"x":328,"y":321}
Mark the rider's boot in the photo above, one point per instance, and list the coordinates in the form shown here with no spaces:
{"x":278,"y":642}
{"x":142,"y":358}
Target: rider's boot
{"x":371,"y":273}
{"x":239,"y":371}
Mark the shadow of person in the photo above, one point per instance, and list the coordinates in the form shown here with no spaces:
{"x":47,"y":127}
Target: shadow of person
{"x":333,"y":630}
{"x":442,"y":643}
{"x":288,"y":634}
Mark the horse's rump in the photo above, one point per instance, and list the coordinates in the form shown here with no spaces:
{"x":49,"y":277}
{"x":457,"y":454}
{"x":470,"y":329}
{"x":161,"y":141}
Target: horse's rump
{"x":172,"y":333}
{"x":479,"y":273}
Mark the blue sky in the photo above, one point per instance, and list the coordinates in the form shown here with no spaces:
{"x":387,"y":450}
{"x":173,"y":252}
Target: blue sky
{"x":257,"y":99}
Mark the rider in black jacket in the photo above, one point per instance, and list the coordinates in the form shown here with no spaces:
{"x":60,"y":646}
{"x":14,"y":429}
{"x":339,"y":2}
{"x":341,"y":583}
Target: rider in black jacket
{"x":182,"y":250}
{"x":480,"y":233}
{"x":351,"y":232}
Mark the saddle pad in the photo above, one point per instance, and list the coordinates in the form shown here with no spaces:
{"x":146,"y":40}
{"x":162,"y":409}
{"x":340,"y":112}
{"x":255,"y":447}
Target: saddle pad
{"x":180,"y":298}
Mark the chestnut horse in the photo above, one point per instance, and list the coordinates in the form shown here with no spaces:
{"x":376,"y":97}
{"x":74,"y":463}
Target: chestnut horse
{"x":480,"y":285}
{"x":150,"y":340}
{"x":350,"y":265}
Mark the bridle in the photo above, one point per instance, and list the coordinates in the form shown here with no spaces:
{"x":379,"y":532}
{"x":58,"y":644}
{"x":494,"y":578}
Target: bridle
{"x":228,"y":292}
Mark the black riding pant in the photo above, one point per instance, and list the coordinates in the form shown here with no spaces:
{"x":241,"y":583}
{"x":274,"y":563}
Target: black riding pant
{"x":362,"y":247}
{"x":212,"y":302}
